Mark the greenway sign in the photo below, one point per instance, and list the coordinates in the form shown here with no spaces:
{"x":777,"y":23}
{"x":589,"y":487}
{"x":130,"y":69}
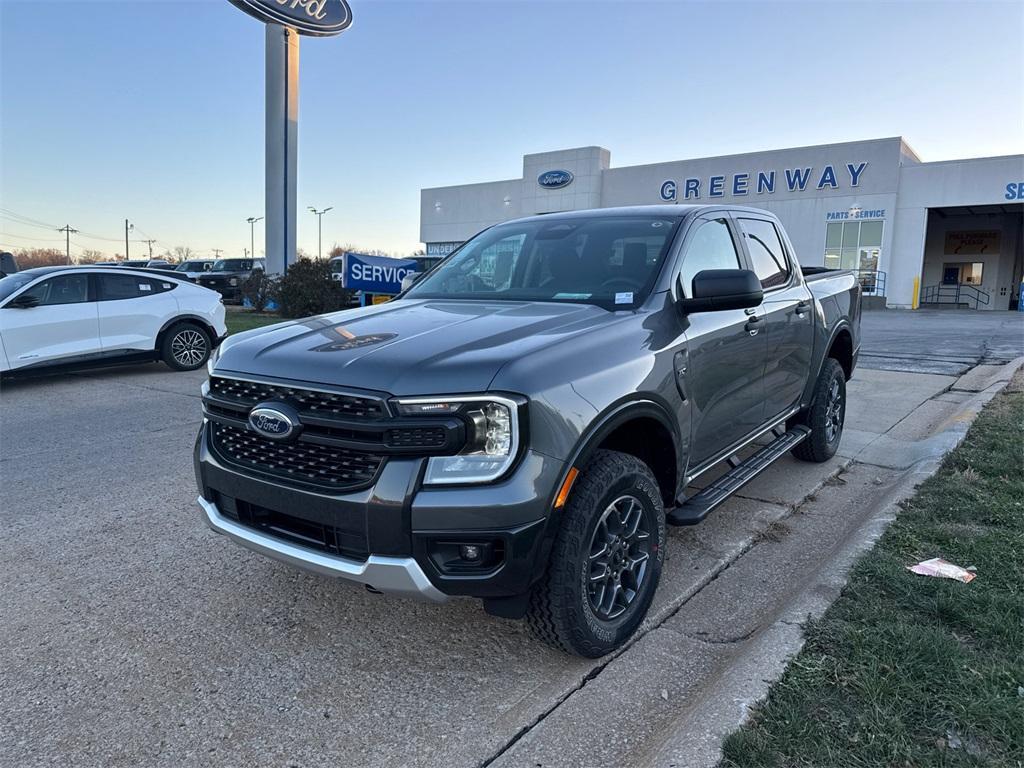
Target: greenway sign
{"x":320,"y":18}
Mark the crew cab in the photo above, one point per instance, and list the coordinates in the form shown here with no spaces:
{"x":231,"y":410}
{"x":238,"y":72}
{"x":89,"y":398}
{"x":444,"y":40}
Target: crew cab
{"x":60,"y":317}
{"x":522,"y":423}
{"x":226,"y":276}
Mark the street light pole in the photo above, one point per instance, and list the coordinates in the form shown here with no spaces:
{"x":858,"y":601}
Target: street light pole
{"x":126,"y":227}
{"x":252,"y":233}
{"x":320,"y":229}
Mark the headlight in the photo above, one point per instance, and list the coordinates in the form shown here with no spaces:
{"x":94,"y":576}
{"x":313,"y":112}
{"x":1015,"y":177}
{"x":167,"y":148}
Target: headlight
{"x":492,"y":428}
{"x":233,"y":281}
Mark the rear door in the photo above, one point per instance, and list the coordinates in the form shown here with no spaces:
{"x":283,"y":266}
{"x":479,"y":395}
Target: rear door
{"x":788,"y":314}
{"x":63,"y":326}
{"x":721,"y":369}
{"x":133,"y":309}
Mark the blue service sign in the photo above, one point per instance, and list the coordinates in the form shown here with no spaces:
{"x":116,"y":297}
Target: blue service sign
{"x":555,"y":179}
{"x":375,"y":274}
{"x":319,"y":18}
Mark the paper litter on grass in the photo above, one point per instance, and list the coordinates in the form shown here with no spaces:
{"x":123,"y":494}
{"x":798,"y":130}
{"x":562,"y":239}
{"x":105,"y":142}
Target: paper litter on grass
{"x":942,"y":569}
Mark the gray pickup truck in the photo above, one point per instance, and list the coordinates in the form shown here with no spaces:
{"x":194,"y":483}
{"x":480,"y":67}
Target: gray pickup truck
{"x":521,"y":424}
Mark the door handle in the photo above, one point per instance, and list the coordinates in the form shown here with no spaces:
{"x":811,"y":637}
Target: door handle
{"x":751,"y":325}
{"x":802,"y":307}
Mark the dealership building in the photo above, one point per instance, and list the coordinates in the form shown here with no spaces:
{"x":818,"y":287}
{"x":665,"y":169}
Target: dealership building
{"x":921,"y":234}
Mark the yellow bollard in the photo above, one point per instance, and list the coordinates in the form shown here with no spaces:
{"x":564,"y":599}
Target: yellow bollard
{"x":916,"y":300}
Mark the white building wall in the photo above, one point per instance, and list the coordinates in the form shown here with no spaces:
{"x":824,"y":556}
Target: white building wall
{"x":975,"y":182}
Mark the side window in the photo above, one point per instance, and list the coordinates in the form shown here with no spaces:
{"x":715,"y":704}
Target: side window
{"x":766,"y":252}
{"x":710,"y":247}
{"x":65,"y":289}
{"x":116,"y":287}
{"x":161,"y":286}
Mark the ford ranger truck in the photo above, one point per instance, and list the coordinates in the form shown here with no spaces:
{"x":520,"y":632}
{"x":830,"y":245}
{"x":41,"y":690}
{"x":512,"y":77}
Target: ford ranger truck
{"x":523,"y":422}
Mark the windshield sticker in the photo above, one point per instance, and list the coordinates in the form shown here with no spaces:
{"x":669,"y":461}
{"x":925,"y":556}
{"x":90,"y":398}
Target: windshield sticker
{"x":145,"y":287}
{"x":624,"y":298}
{"x":572,"y":295}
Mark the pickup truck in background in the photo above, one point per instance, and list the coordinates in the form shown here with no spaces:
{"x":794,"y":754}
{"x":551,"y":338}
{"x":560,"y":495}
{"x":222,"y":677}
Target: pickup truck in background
{"x":521,"y":424}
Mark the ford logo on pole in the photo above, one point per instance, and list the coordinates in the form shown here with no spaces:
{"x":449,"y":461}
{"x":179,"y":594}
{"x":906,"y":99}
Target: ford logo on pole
{"x":277,"y":421}
{"x":319,"y":18}
{"x":555,"y":179}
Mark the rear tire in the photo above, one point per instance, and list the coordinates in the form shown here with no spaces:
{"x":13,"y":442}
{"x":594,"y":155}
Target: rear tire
{"x":186,"y":347}
{"x":826,"y":415}
{"x":606,"y":560}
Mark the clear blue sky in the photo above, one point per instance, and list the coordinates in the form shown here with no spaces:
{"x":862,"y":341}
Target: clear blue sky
{"x":154,"y":110}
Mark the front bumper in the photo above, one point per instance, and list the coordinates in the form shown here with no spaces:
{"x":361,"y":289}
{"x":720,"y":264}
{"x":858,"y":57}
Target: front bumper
{"x":404,"y":533}
{"x":398,"y":575}
{"x":229,"y":292}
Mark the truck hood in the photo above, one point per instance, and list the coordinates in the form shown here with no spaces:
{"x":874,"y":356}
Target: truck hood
{"x":408,"y":347}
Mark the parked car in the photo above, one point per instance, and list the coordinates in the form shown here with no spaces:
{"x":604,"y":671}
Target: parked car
{"x":521,"y":424}
{"x":81,"y":316}
{"x":159,"y":264}
{"x":132,"y":263}
{"x":226,"y":276}
{"x":194,"y":267}
{"x":8,"y":265}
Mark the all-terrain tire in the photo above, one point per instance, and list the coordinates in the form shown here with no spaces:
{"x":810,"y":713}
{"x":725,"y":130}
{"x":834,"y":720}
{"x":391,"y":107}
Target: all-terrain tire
{"x":560,"y":611}
{"x":186,"y":346}
{"x":826,"y":415}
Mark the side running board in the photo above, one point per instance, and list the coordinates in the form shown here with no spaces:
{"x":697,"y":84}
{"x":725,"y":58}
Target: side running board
{"x":697,"y":507}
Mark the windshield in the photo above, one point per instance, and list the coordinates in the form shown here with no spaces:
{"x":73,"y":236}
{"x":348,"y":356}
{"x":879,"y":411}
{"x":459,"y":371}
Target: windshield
{"x":191,"y":266}
{"x":11,"y":283}
{"x":611,"y":261}
{"x":231,"y":265}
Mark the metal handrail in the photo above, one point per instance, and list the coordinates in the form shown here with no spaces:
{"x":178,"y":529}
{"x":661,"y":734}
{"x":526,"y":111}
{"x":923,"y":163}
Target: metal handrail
{"x":954,"y":293}
{"x":872,"y":281}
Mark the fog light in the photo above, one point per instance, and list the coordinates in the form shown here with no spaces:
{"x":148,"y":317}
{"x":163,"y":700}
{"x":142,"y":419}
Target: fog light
{"x":470,"y":552}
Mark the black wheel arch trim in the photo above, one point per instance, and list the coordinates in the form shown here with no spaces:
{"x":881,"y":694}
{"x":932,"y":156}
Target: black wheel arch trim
{"x":177,"y":319}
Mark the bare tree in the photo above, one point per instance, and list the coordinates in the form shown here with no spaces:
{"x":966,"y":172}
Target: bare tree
{"x":90,"y":256}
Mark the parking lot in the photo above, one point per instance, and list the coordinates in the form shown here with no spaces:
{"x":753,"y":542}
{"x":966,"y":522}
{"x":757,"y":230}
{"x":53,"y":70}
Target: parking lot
{"x":134,"y":635}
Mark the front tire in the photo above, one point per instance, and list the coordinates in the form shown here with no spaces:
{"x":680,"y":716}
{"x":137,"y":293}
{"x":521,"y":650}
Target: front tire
{"x":186,"y":347}
{"x":606,"y":560}
{"x":826,"y":416}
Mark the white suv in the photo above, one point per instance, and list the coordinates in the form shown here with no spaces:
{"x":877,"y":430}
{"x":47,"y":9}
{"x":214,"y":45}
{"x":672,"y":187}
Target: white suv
{"x":79,"y":316}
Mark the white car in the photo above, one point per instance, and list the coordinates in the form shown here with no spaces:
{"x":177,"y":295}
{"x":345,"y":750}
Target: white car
{"x":83,"y":316}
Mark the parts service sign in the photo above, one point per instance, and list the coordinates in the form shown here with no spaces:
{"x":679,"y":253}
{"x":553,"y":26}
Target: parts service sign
{"x":320,"y":18}
{"x":375,"y":274}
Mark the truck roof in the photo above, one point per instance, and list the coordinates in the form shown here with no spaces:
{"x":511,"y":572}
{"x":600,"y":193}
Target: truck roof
{"x":676,"y":211}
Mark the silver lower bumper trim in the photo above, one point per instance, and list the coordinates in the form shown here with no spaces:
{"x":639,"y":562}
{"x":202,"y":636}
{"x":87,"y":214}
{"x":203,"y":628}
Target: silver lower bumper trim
{"x":396,"y":575}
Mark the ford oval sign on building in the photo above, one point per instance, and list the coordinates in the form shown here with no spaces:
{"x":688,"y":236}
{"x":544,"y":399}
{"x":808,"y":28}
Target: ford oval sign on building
{"x":308,"y":17}
{"x":555,"y":179}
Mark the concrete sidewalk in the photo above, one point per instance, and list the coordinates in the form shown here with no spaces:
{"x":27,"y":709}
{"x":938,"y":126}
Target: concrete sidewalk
{"x":690,"y":679}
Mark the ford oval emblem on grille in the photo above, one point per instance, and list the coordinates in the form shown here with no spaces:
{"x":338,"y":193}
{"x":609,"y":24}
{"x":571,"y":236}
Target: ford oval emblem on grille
{"x":278,"y":421}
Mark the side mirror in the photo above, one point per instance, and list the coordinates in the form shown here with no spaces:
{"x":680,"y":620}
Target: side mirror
{"x":25,"y":301}
{"x":715,"y":290}
{"x":410,"y":279}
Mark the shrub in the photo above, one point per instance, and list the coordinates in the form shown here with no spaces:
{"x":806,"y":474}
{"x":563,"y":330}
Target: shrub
{"x":307,"y":289}
{"x":259,"y":288}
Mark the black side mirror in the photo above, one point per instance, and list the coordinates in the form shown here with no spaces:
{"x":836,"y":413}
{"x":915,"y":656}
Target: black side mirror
{"x":715,"y":290}
{"x":25,"y":301}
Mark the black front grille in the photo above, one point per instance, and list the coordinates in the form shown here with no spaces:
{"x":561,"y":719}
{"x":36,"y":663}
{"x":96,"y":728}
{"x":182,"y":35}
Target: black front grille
{"x":416,"y":437}
{"x":301,"y":462}
{"x":314,"y":402}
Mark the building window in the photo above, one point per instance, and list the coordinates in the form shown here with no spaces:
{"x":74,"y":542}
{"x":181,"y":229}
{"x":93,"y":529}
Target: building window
{"x":853,"y":245}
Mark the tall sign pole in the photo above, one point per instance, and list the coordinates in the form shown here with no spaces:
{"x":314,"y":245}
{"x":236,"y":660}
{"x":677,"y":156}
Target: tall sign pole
{"x":286,"y":20}
{"x":282,"y":131}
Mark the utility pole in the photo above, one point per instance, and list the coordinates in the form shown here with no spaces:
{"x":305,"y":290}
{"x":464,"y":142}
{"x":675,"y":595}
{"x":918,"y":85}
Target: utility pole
{"x":320,"y":229}
{"x":127,"y":226}
{"x":150,"y":244}
{"x":216,"y":252}
{"x":252,"y":233}
{"x":67,"y":230}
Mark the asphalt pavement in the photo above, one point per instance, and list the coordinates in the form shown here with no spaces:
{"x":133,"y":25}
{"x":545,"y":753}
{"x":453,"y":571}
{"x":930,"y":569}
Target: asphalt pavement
{"x":132,"y":635}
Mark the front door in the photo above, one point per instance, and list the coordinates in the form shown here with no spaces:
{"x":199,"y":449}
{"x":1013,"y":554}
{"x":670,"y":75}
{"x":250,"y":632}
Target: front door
{"x":788,"y":317}
{"x":723,"y":365}
{"x":63,"y":326}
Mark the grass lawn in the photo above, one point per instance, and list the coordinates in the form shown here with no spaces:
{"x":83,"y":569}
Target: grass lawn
{"x":246,"y":320}
{"x":907,"y":670}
